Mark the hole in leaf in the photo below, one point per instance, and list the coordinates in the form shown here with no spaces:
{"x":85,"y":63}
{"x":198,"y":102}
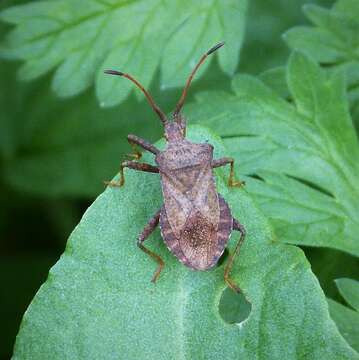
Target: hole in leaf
{"x":234,"y":308}
{"x":223,"y":258}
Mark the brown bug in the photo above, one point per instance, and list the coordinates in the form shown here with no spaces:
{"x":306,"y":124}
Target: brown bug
{"x":195,"y":220}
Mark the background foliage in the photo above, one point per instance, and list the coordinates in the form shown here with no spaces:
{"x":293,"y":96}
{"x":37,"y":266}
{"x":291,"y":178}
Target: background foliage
{"x":64,"y":132}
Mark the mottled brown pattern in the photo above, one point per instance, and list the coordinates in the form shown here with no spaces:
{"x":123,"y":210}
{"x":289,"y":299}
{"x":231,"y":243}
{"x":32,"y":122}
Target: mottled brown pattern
{"x":199,"y":246}
{"x":195,"y":221}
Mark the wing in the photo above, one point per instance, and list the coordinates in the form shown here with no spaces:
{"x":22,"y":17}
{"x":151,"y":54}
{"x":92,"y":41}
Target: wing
{"x":190,"y":196}
{"x":199,"y":246}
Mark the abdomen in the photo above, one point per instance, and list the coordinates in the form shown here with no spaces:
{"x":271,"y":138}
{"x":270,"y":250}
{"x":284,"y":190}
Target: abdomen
{"x":200,"y":242}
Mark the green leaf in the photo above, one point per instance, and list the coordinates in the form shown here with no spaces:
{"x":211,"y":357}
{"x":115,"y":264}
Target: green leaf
{"x":347,"y":319}
{"x":349,"y":289}
{"x":334,"y":37}
{"x":333,"y":40}
{"x":301,"y":214}
{"x":98,"y":301}
{"x":81,"y":39}
{"x":306,"y":153}
{"x":347,"y":322}
{"x":276,"y":79}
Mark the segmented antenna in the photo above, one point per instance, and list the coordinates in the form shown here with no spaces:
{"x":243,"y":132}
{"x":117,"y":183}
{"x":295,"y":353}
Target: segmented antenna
{"x":154,"y":106}
{"x":188,"y":83}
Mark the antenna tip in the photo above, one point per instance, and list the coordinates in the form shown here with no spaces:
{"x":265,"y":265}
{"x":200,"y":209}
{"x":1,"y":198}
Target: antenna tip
{"x":113,"y":72}
{"x":215,"y":47}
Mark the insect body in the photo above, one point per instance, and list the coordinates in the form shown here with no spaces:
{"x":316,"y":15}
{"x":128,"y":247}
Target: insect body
{"x":195,"y":220}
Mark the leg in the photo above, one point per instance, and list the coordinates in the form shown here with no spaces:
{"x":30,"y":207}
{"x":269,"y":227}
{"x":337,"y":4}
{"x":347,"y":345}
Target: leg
{"x":225,"y":161}
{"x":137,"y":141}
{"x":132,"y":165}
{"x":143,"y":236}
{"x":236,"y":226}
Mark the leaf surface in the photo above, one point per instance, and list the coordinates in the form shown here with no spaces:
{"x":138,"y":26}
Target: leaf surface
{"x":349,"y":289}
{"x":347,"y":321}
{"x":98,"y":301}
{"x":346,"y":318}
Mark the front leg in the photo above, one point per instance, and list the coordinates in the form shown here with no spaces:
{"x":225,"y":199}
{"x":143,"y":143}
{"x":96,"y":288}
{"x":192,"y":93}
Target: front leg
{"x":225,"y":161}
{"x":137,"y":141}
{"x":147,"y":231}
{"x":132,"y":165}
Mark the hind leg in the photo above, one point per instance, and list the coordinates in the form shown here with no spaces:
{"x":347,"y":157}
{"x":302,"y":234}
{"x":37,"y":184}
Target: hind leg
{"x":147,"y":231}
{"x":236,"y":226}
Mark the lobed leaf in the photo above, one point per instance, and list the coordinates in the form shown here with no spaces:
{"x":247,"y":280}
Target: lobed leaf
{"x":312,"y":141}
{"x":334,"y":37}
{"x":347,"y":319}
{"x":98,"y":301}
{"x":276,"y":79}
{"x":332,"y":40}
{"x":349,"y":289}
{"x":301,"y":214}
{"x":82,"y":38}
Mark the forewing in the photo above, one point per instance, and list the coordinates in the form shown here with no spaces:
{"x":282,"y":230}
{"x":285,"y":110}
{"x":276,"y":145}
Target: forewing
{"x":199,"y":246}
{"x":204,"y":196}
{"x":189,"y":191}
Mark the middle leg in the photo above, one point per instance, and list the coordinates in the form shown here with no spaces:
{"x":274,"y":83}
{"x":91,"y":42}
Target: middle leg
{"x":225,"y":161}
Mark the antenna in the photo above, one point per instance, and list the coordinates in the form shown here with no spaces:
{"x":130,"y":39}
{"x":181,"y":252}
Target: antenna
{"x":188,"y":83}
{"x":154,"y":106}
